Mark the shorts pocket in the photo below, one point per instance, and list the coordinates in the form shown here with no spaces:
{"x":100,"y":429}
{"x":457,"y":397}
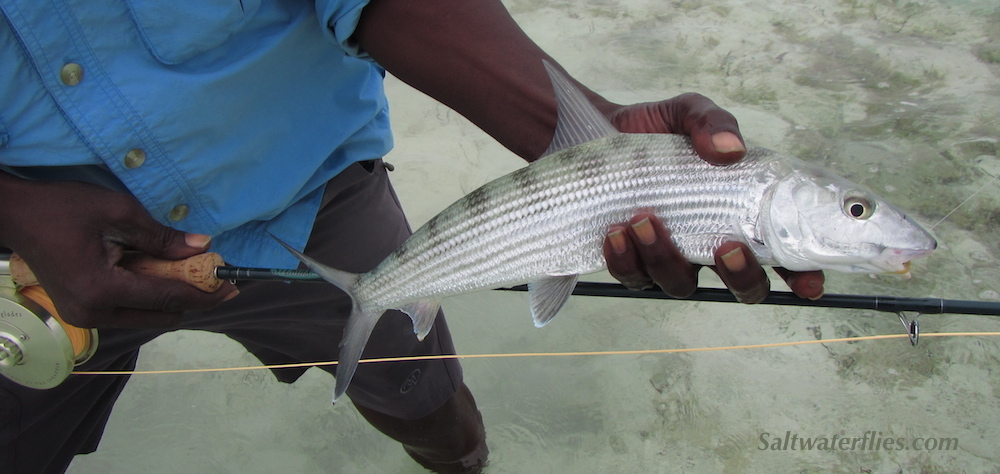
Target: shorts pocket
{"x":175,"y":32}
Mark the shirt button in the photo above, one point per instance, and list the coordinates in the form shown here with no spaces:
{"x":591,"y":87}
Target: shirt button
{"x":179,"y":212}
{"x":71,"y":74}
{"x":135,"y":158}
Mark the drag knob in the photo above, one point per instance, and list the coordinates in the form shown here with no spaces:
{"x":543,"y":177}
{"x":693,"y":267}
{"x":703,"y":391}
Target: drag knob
{"x":10,"y":350}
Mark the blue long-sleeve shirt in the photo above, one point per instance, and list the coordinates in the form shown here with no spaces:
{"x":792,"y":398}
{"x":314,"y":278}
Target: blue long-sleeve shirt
{"x":222,"y":117}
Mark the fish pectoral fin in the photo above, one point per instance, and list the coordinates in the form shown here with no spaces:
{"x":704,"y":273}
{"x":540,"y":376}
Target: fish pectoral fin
{"x":759,"y":250}
{"x":578,"y":120}
{"x":748,"y":236}
{"x":356,"y":334}
{"x":548,"y":295}
{"x":422,"y":313}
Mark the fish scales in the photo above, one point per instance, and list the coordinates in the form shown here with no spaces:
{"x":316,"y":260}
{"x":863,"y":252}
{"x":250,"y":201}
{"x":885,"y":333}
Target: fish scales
{"x":516,"y":227}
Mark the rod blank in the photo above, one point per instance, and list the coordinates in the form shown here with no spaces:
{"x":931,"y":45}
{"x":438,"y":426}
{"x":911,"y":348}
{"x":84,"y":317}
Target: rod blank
{"x":891,"y":304}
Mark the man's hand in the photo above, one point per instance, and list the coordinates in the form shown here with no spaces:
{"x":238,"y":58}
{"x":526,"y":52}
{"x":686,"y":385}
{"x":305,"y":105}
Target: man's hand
{"x":72,"y":235}
{"x":640,"y":252}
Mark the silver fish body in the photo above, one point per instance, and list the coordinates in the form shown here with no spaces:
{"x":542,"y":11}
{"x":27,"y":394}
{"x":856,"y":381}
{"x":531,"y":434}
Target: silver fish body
{"x":545,"y":224}
{"x":551,"y":218}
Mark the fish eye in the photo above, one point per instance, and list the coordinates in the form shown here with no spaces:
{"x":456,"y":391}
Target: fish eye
{"x":858,"y":207}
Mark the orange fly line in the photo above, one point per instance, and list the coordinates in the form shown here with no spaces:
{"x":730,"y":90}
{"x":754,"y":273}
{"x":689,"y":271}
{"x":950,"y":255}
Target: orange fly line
{"x":547,"y":354}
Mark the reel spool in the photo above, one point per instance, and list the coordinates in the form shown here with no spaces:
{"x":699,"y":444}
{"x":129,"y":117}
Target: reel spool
{"x":37,"y":348}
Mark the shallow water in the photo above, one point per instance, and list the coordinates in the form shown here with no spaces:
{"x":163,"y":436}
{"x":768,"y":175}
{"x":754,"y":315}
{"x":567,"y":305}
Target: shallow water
{"x":900,"y":96}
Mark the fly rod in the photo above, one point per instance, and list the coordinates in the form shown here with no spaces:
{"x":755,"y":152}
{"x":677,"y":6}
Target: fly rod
{"x":39,"y":350}
{"x":890,"y":304}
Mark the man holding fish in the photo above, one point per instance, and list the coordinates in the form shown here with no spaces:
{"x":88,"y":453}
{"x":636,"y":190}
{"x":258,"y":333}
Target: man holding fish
{"x":168,"y":128}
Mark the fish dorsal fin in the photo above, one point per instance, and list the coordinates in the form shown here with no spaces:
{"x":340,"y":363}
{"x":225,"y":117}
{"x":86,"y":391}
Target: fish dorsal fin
{"x":578,"y":121}
{"x":548,"y":294}
{"x":422,"y":313}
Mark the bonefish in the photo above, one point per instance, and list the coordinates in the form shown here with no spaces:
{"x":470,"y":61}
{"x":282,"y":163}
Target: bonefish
{"x":545,"y":223}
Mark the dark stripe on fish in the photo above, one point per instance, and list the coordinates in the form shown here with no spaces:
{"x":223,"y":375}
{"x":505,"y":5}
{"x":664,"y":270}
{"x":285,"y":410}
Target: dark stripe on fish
{"x":477,"y":202}
{"x":642,"y":158}
{"x":525,"y":179}
{"x":591,"y":164}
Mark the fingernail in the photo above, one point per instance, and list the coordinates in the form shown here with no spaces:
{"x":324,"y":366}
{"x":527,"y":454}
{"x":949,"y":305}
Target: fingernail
{"x":231,"y":295}
{"x":814,"y":284}
{"x":727,"y":142}
{"x":734,"y":260}
{"x":617,"y":239}
{"x":644,"y":230}
{"x":198,"y":241}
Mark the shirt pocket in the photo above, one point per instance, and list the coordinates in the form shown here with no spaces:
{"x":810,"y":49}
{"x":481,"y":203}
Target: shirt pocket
{"x":175,"y":32}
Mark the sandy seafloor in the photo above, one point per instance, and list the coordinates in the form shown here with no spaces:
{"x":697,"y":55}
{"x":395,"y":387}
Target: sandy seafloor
{"x":900,"y":96}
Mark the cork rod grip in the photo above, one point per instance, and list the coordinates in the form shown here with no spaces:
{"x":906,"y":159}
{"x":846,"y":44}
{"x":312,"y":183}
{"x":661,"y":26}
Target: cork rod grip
{"x":197,"y":271}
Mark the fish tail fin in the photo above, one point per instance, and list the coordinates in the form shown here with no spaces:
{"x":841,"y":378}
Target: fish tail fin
{"x":359,"y":325}
{"x":356,"y":334}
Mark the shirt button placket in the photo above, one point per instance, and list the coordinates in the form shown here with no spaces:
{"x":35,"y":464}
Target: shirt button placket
{"x":71,"y":74}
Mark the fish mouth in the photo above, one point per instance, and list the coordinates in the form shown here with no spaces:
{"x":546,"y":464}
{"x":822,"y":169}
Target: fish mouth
{"x":905,"y":272}
{"x":897,"y":261}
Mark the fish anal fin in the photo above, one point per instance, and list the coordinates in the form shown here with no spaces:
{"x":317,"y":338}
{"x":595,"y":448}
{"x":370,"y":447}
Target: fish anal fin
{"x":578,"y":120}
{"x":422,"y":313}
{"x":548,"y":295}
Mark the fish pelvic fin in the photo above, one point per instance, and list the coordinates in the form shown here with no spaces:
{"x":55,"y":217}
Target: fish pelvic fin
{"x":422,"y":313}
{"x":548,"y":295}
{"x":578,"y":120}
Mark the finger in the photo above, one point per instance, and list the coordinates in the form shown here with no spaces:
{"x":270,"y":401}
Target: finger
{"x":804,"y":284}
{"x":739,"y":270}
{"x":133,"y":300}
{"x":137,"y":230}
{"x":623,"y":260}
{"x":661,"y":259}
{"x":715,"y":133}
{"x":160,"y":294}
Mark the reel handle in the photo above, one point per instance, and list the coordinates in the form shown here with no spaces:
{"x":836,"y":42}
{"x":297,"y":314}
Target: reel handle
{"x":197,"y":271}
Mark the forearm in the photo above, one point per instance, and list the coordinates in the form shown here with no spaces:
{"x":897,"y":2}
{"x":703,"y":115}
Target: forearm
{"x":471,"y":56}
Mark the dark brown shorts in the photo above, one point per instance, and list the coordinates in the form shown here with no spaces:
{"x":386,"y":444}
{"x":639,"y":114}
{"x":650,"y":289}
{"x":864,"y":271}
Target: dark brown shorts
{"x":360,"y":223}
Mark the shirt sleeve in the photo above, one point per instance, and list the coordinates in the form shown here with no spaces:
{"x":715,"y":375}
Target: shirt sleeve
{"x":339,"y":19}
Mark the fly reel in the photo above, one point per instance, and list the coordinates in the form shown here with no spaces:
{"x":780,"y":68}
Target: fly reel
{"x":37,"y":348}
